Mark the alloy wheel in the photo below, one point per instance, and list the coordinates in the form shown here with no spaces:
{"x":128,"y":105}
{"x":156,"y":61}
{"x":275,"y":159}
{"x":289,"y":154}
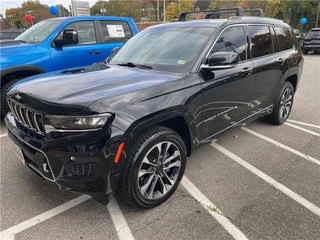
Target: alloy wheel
{"x":159,"y":170}
{"x":286,"y":103}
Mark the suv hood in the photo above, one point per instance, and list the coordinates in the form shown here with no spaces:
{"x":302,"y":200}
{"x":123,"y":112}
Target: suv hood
{"x":82,"y":89}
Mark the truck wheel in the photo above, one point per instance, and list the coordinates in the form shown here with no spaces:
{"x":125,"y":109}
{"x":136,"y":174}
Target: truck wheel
{"x":155,"y":165}
{"x":4,"y":89}
{"x":305,"y":52}
{"x":283,"y":105}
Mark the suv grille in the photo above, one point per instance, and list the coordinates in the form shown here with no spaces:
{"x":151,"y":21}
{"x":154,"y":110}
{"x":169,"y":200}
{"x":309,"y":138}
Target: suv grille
{"x":27,"y":117}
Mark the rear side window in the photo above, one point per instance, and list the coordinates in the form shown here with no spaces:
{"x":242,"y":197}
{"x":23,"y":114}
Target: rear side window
{"x":261,"y":41}
{"x":284,"y":38}
{"x":115,"y":31}
{"x":232,"y":39}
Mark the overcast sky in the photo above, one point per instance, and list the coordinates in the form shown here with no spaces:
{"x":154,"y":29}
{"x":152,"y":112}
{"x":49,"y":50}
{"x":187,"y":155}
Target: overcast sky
{"x":7,"y":4}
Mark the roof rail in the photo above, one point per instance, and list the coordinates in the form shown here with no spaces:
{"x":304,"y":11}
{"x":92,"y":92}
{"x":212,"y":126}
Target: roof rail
{"x":237,"y":10}
{"x":258,"y":10}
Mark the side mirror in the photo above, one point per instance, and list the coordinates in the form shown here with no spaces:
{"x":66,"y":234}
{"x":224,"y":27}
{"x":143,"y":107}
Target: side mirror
{"x":113,"y":52}
{"x":221,"y":60}
{"x":69,"y":36}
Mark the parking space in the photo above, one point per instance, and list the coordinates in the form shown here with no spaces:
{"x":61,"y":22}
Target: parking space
{"x":257,"y":182}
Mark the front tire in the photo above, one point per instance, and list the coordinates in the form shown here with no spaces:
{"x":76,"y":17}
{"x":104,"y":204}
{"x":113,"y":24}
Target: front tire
{"x":283,"y":105}
{"x":4,"y":89}
{"x":305,"y":52}
{"x":155,"y":166}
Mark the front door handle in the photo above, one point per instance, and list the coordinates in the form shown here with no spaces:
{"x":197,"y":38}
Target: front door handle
{"x":247,"y":71}
{"x":94,"y":52}
{"x":281,"y":60}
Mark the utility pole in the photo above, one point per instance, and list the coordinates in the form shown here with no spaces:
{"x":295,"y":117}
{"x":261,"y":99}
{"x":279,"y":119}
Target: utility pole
{"x":317,"y":19}
{"x":164,"y":11}
{"x":158,"y":11}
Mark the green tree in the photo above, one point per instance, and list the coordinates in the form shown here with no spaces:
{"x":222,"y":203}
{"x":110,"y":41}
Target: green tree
{"x":202,"y":4}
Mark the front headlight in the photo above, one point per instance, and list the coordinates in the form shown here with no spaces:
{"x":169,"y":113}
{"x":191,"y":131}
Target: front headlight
{"x":79,"y":122}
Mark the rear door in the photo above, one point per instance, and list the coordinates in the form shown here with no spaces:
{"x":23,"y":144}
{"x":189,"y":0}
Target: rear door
{"x":113,"y":34}
{"x":269,"y":50}
{"x":86,"y":52}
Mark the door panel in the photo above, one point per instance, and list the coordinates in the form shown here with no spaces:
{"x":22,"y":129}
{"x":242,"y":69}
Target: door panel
{"x":86,"y":52}
{"x":225,"y":99}
{"x":227,"y":92}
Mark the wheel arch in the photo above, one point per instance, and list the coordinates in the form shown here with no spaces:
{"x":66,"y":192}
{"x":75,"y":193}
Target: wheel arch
{"x":293,"y":79}
{"x":19,"y":72}
{"x":176,"y":119}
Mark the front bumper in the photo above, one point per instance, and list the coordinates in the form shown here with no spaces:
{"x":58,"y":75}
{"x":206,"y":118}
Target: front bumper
{"x":80,"y":162}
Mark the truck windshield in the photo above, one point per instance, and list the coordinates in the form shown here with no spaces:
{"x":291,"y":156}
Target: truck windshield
{"x":164,"y":49}
{"x":39,"y":32}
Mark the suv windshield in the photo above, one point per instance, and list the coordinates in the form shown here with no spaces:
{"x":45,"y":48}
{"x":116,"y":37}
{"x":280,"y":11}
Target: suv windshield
{"x":39,"y":32}
{"x":164,"y":49}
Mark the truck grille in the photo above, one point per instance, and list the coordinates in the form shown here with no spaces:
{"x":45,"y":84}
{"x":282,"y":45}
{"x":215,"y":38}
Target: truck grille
{"x":27,"y":117}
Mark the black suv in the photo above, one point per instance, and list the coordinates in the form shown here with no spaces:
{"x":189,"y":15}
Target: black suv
{"x":311,"y":41}
{"x":130,"y":123}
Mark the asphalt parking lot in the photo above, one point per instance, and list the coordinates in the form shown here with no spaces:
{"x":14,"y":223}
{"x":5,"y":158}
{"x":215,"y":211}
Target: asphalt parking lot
{"x":257,"y":182}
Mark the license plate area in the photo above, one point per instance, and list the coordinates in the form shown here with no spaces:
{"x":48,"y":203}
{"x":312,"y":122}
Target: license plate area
{"x":18,"y":152}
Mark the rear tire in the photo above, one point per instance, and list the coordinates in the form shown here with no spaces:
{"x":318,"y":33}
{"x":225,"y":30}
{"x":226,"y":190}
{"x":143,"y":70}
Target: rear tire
{"x":154,"y":168}
{"x":4,"y":89}
{"x":283,"y":105}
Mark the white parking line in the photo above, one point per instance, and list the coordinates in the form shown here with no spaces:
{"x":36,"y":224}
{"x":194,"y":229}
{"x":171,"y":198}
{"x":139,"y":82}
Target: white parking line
{"x":9,"y":233}
{"x":303,"y":123}
{"x":122,"y":228}
{"x":303,"y":129}
{"x":3,"y":135}
{"x":313,"y":208}
{"x":300,"y":154}
{"x":210,"y":207}
{"x":123,"y":231}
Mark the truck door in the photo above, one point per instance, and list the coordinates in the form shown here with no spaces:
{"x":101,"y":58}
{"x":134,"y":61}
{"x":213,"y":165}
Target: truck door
{"x":86,"y":52}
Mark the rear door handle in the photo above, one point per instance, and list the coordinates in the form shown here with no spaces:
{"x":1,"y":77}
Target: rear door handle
{"x":94,"y":52}
{"x":281,"y":60}
{"x":247,"y":71}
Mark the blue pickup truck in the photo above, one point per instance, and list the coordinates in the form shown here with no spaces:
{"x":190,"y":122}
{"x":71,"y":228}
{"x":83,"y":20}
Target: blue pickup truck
{"x":60,"y":43}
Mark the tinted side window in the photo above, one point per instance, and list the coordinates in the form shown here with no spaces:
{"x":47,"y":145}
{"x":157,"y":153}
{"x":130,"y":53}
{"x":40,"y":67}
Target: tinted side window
{"x":284,"y":38}
{"x":261,"y":41}
{"x":232,"y":39}
{"x":115,"y":31}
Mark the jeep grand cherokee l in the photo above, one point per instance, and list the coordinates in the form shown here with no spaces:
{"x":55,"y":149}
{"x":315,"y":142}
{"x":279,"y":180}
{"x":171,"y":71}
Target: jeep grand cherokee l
{"x":130,"y":124}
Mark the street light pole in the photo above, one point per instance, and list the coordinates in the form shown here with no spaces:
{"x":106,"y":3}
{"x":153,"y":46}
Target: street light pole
{"x":158,"y":12}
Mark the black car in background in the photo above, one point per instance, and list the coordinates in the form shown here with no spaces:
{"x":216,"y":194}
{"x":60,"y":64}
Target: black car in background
{"x":129,"y":124}
{"x":311,"y":41}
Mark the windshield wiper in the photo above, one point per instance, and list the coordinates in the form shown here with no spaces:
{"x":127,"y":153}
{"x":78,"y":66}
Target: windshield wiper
{"x":131,"y":64}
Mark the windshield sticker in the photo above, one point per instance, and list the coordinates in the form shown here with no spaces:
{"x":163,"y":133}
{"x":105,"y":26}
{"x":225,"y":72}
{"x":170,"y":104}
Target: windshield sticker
{"x":182,"y":62}
{"x":115,"y":31}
